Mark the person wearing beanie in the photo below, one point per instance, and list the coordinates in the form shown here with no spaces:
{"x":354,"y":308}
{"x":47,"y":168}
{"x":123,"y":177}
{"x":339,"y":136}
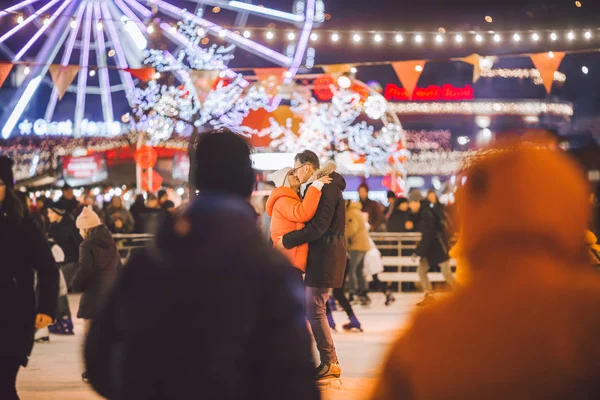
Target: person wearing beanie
{"x":527,"y":325}
{"x":289,"y":213}
{"x":99,"y":263}
{"x":432,"y":249}
{"x":399,"y":221}
{"x":212,"y":288}
{"x":24,"y":251}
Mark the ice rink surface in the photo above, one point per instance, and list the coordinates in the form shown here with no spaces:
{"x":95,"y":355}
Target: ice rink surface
{"x":55,"y":368}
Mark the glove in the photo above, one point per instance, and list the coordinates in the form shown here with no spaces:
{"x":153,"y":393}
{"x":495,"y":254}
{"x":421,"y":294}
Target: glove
{"x":416,"y":258}
{"x":42,"y":321}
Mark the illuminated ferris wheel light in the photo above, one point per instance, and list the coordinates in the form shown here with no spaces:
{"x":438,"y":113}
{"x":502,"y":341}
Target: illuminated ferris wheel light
{"x":104,"y":36}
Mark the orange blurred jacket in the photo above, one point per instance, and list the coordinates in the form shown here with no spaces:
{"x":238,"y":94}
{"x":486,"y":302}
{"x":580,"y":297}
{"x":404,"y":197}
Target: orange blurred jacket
{"x":288,"y":213}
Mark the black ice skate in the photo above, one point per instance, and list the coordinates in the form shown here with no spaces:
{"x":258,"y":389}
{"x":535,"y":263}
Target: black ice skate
{"x":329,"y":375}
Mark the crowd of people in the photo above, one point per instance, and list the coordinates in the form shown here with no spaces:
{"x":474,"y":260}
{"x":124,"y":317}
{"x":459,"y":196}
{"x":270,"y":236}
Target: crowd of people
{"x":525,"y":327}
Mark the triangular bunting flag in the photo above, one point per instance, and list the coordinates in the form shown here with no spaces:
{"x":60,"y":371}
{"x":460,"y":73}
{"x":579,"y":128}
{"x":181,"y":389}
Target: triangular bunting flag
{"x":204,"y":82}
{"x":5,"y":69}
{"x":270,"y":79}
{"x":143,"y":74}
{"x":337,"y":69}
{"x":547,"y":64}
{"x":408,"y":73}
{"x":63,"y":76}
{"x":473,"y":59}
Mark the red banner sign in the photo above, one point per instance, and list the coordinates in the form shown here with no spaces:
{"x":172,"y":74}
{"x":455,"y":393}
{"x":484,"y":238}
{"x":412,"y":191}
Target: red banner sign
{"x":84,"y":170}
{"x":431,"y":93}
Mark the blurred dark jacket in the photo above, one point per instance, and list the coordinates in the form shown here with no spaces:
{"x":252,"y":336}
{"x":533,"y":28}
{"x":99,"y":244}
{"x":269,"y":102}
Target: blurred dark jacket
{"x":245,"y":334}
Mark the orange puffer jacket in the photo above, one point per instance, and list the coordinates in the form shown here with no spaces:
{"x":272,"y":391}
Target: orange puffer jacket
{"x":288,"y":213}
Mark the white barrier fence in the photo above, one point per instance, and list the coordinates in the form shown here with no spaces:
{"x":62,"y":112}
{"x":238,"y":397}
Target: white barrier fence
{"x":396,"y":250}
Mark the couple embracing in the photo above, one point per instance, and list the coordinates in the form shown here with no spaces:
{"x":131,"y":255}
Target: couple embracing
{"x":307,"y":224}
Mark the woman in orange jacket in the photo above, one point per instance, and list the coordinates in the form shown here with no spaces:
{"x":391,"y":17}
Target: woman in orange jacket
{"x":289,"y":213}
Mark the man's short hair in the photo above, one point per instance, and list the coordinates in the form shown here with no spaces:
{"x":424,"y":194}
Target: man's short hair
{"x":308,"y":157}
{"x":223,"y":164}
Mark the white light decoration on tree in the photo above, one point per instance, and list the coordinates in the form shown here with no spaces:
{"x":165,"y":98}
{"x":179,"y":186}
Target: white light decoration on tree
{"x":161,"y":109}
{"x":375,"y":106}
{"x":332,"y":131}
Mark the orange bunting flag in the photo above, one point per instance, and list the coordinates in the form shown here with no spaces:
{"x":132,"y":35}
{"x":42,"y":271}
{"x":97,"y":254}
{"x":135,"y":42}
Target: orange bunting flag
{"x":270,"y":79}
{"x":5,"y":69}
{"x":547,"y":64}
{"x":408,"y":73}
{"x":204,"y":82}
{"x":474,"y":60}
{"x":62,"y":77}
{"x":143,"y":74}
{"x":337,"y":69}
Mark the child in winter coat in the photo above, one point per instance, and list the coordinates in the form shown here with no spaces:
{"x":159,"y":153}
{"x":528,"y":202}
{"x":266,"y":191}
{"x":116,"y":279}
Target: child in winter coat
{"x":289,"y":213}
{"x":99,"y":262}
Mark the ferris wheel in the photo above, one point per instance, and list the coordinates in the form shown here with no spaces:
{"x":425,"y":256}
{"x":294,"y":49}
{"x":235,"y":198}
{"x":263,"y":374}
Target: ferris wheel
{"x":106,"y":37}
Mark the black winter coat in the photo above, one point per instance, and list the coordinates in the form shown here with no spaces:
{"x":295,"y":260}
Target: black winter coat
{"x":23,"y":249}
{"x":325,"y":237}
{"x":397,"y":221}
{"x":209,"y":312}
{"x":432,"y":245}
{"x":99,"y":262}
{"x":67,"y":237}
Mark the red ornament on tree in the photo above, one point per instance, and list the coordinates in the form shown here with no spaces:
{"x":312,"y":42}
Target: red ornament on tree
{"x":394,"y":183}
{"x":146,"y":157}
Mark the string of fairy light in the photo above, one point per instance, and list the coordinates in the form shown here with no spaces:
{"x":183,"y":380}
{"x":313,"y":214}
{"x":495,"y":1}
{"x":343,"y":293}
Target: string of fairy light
{"x":374,"y":37}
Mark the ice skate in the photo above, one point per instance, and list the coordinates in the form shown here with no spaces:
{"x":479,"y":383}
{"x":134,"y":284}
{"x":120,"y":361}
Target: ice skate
{"x":329,"y":375}
{"x":42,"y":336}
{"x":353,"y":325}
{"x":389,"y":298}
{"x":331,"y":322}
{"x":62,"y":327}
{"x":429,"y":299}
{"x":364,"y":300}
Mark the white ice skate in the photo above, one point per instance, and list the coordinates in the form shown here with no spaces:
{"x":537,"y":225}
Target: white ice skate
{"x":329,"y":376}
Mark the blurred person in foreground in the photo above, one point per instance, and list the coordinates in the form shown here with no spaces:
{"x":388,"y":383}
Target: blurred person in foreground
{"x":23,"y":252}
{"x":245,"y":333}
{"x":526,"y":326}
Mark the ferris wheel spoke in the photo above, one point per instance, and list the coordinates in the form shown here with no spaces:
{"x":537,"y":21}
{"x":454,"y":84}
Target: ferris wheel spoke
{"x":105,"y":97}
{"x":16,"y":7}
{"x":271,"y":13}
{"x":83,"y":66}
{"x":225,"y":34}
{"x":27,"y":21}
{"x":180,"y":40}
{"x":121,"y":60}
{"x":139,"y":8}
{"x":133,"y":40}
{"x":303,"y":41}
{"x":41,"y":31}
{"x":65,"y":60}
{"x":25,"y":92}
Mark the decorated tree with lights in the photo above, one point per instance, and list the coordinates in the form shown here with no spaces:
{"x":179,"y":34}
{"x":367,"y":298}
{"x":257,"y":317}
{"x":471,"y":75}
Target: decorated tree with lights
{"x":209,"y":95}
{"x":333,"y":131}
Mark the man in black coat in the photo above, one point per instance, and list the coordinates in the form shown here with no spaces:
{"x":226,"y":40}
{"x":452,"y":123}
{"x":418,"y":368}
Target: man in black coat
{"x":68,"y":202}
{"x":210,"y":311}
{"x":23,"y":251}
{"x":326,"y":257}
{"x":432,"y":249}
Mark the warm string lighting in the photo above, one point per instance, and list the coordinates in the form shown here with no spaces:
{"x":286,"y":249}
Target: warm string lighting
{"x":437,"y":162}
{"x":483,"y":108}
{"x":520,"y":74}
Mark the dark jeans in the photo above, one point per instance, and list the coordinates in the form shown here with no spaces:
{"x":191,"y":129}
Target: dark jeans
{"x":69,"y":270}
{"x":64,"y":310}
{"x":9,"y":368}
{"x":316,"y":300}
